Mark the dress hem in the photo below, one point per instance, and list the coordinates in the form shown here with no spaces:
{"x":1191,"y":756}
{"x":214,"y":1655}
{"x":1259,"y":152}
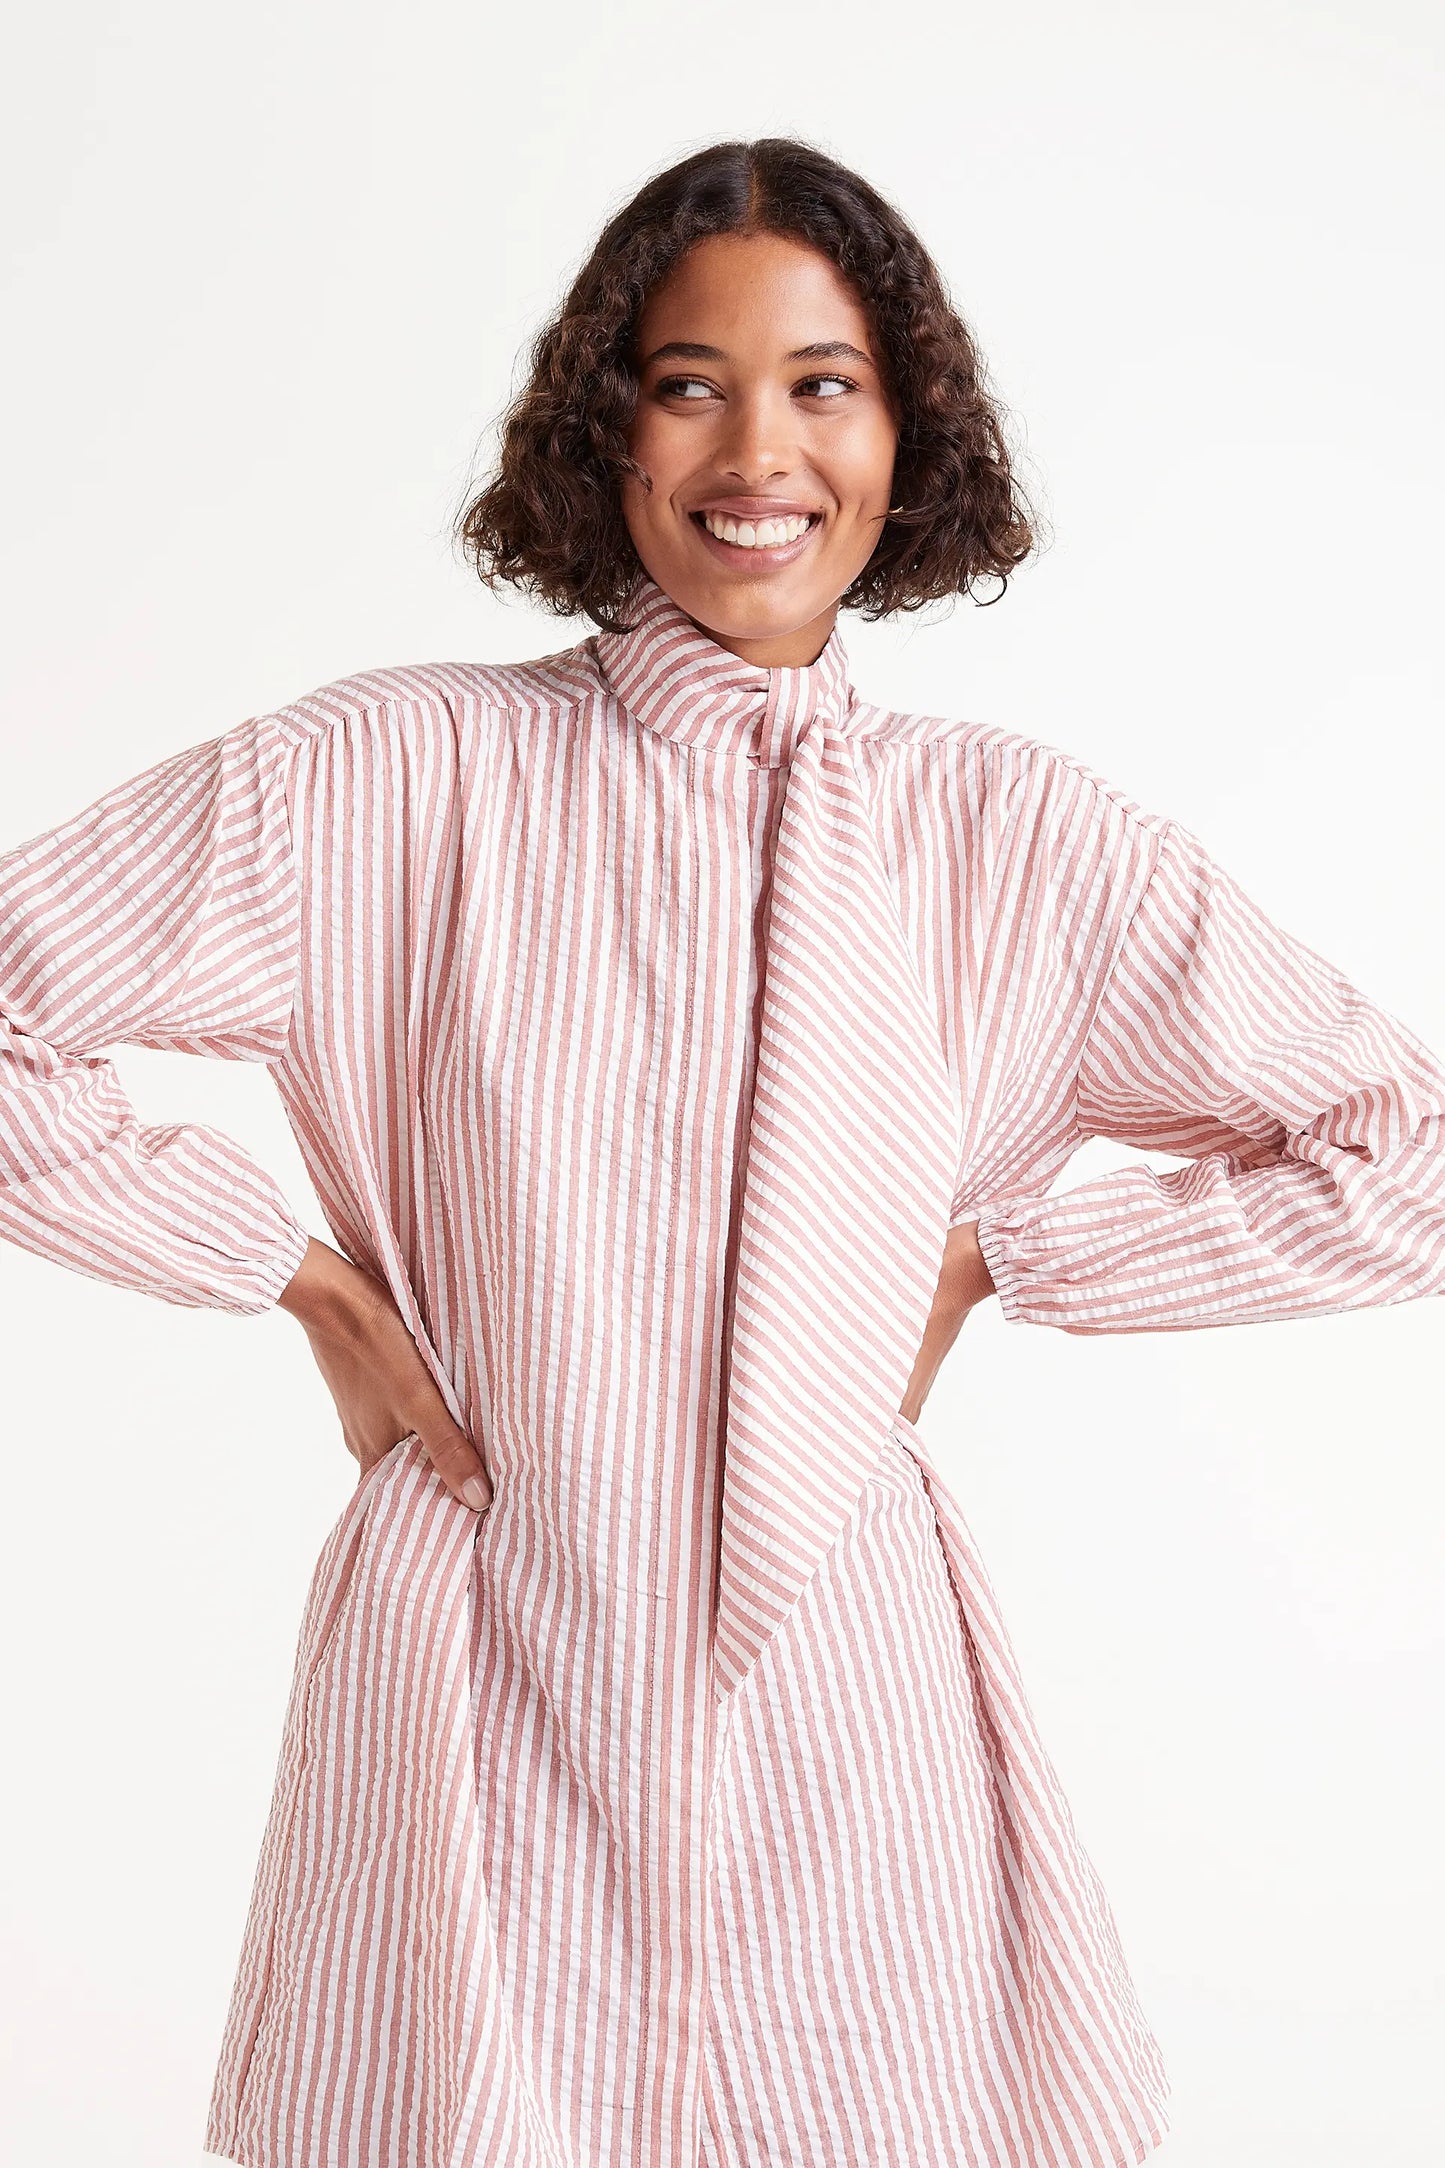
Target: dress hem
{"x":1158,"y":2131}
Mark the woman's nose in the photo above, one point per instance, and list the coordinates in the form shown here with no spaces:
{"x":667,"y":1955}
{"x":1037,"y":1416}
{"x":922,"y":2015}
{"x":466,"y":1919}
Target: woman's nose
{"x":757,"y":441}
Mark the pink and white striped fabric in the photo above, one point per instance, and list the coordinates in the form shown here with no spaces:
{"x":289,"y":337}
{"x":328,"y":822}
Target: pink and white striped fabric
{"x":645,"y":1019}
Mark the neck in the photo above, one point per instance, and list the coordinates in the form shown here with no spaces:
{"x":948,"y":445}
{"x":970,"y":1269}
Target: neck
{"x":779,"y":650}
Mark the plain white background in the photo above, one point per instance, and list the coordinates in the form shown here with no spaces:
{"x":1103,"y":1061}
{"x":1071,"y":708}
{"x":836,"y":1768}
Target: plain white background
{"x":268,"y":274}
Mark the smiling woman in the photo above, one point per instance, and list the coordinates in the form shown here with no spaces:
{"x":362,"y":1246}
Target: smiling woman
{"x":681,"y":1046}
{"x":768,"y":480}
{"x":758,"y":335}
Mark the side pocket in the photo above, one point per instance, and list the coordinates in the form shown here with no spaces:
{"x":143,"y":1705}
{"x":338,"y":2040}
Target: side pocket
{"x":333,"y":1579}
{"x":908,"y":1430}
{"x":910,"y":1437}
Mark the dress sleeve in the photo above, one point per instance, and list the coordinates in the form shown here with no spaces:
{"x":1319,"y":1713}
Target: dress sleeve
{"x":1311,"y":1121}
{"x":164,"y":915}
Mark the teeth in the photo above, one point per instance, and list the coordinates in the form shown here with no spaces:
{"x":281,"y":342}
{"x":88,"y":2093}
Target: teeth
{"x":765,"y":534}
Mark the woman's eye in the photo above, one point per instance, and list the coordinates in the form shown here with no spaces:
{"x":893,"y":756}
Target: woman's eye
{"x":695,"y":388}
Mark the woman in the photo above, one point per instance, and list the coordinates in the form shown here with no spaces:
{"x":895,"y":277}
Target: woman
{"x":680,"y":1046}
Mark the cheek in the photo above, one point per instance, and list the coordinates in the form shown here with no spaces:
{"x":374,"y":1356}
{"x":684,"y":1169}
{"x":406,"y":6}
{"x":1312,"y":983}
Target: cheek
{"x":862,"y":468}
{"x":652,"y":444}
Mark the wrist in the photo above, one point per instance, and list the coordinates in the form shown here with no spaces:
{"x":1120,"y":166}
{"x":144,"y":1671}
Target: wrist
{"x":966,"y":1277}
{"x":328,"y":1293}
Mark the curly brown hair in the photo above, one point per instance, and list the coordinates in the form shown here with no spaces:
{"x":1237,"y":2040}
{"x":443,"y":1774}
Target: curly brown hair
{"x":550,"y":519}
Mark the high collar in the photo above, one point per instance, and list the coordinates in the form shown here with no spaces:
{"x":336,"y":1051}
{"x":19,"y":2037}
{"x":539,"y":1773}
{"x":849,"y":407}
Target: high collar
{"x":678,"y":680}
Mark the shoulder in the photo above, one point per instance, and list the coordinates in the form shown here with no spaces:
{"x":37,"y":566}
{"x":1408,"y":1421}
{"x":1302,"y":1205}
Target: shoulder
{"x":1016,"y":778}
{"x":415,"y":701}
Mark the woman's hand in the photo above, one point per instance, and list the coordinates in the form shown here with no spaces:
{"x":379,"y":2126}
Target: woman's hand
{"x":375,"y":1372}
{"x":963,"y":1283}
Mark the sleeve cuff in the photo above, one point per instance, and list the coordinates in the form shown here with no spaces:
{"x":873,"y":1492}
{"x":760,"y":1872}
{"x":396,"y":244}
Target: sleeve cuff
{"x":275,"y":1274}
{"x":996,"y":1225}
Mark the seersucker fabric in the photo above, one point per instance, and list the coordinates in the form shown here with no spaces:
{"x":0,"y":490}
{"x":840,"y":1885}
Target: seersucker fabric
{"x":646,"y":1018}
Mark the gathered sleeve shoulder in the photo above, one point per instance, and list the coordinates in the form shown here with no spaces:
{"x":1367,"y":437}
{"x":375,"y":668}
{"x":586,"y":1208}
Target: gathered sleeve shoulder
{"x":1311,"y":1123}
{"x":163,"y":915}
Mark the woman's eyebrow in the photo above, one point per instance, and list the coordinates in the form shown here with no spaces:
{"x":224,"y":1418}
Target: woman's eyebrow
{"x":820,"y":350}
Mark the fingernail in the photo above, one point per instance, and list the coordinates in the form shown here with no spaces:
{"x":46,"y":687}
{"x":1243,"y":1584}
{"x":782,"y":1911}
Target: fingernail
{"x":475,"y":1494}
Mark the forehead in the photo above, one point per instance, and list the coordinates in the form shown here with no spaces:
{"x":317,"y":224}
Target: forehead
{"x":753,"y":291}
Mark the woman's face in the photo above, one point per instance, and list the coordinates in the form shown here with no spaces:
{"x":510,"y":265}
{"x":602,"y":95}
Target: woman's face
{"x":760,"y":399}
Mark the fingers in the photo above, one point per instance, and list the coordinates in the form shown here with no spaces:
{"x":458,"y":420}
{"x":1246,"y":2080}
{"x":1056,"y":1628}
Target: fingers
{"x":458,"y":1463}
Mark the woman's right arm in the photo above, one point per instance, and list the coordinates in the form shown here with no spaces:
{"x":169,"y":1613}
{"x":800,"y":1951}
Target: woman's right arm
{"x":163,"y":915}
{"x":166,"y":914}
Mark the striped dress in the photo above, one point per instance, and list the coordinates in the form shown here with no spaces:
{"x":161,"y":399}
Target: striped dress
{"x":645,"y":1019}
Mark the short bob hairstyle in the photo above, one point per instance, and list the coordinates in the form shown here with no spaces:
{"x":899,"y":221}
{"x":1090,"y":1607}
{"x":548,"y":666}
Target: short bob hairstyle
{"x":550,"y":519}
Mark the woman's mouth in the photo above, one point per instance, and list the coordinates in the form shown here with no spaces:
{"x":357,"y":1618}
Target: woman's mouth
{"x":760,"y":541}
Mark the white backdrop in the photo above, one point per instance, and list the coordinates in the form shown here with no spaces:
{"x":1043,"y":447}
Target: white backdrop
{"x":268,"y":272}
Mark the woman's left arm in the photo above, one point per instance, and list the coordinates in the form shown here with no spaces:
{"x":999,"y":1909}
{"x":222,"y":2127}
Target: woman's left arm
{"x":1311,"y":1120}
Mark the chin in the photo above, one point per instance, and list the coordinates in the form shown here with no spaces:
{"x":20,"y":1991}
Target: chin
{"x":737,"y":617}
{"x":738,"y":608}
